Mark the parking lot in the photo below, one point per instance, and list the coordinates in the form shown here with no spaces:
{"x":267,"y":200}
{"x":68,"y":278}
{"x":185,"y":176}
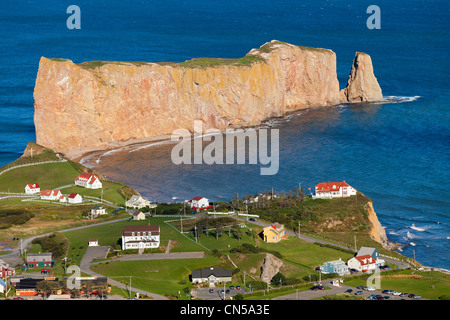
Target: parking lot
{"x":216,"y":293}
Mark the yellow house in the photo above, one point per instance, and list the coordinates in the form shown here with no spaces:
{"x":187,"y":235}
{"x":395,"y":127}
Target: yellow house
{"x":274,"y":233}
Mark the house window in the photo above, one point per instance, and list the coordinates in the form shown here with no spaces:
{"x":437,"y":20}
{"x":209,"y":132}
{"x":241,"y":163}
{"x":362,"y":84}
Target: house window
{"x":132,"y":233}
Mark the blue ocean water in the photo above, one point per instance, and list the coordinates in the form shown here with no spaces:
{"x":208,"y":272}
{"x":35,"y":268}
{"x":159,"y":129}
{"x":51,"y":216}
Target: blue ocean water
{"x":397,"y":154}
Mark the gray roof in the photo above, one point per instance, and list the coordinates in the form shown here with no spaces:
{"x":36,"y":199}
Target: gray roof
{"x":206,"y":272}
{"x":36,"y":257}
{"x":365,"y":250}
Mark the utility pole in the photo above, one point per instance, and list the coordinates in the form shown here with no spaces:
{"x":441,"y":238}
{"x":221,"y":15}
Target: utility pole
{"x":356,"y":250}
{"x":299,"y":229}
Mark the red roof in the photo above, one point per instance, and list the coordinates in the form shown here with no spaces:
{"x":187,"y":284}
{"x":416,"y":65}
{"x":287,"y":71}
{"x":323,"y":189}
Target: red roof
{"x":365,"y":259}
{"x":89,"y":177}
{"x":197,"y":198}
{"x":49,"y":192}
{"x":331,"y":186}
{"x":73,"y":195}
{"x":33,"y":185}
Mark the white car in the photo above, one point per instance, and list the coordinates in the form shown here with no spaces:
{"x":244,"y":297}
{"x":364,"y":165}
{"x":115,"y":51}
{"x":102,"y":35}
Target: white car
{"x":395,"y":293}
{"x":370,"y":289}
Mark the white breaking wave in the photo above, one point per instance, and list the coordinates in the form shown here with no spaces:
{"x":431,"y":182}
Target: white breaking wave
{"x":412,"y":244}
{"x":401,"y":99}
{"x":414,"y":227}
{"x":410,"y":235}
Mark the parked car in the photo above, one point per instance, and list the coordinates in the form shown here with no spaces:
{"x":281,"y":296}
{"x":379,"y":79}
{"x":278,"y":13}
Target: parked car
{"x":370,"y":289}
{"x":348,"y":291}
{"x":414,"y":296}
{"x":211,"y":290}
{"x":231,"y":287}
{"x":238,"y":287}
{"x":18,"y":298}
{"x":358,"y":293}
{"x":403,"y":294}
{"x":396,"y":293}
{"x":252,"y":219}
{"x":317,"y":288}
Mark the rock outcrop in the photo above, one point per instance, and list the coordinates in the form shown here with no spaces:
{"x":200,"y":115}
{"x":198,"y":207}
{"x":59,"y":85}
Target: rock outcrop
{"x":95,"y":104}
{"x":376,"y":231}
{"x":271,"y":266}
{"x":362,"y":86}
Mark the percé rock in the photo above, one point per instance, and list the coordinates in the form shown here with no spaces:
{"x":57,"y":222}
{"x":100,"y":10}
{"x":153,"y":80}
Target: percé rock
{"x":95,"y":104}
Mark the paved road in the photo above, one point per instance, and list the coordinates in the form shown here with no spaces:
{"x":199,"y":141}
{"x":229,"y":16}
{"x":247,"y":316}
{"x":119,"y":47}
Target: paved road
{"x":400,"y":264}
{"x":14,"y":255}
{"x":314,"y":294}
{"x":101,"y":252}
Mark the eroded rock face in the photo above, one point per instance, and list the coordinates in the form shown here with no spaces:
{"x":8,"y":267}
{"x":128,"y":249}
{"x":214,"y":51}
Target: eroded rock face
{"x":93,"y":105}
{"x":362,"y":86}
{"x":271,"y":266}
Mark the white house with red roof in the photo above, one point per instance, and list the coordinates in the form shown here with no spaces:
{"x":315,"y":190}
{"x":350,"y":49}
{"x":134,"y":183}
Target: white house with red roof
{"x":329,"y":190}
{"x":74,"y":198}
{"x":51,"y":195}
{"x":32,"y":188}
{"x":199,"y":203}
{"x":88,"y":180}
{"x":362,"y":263}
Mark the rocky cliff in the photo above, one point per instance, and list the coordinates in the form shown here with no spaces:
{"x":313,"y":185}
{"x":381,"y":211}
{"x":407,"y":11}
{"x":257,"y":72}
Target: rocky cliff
{"x":94,"y":104}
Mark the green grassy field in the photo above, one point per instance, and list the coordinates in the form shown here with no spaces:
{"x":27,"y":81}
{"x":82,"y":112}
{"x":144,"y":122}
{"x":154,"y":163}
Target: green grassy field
{"x":167,"y":277}
{"x":431,"y":285}
{"x":47,"y":175}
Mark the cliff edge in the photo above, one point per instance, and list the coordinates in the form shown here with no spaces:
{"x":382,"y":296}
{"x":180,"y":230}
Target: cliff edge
{"x":94,"y":104}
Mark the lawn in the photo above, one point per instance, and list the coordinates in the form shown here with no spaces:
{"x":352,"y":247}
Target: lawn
{"x":166,"y":277}
{"x":47,"y":175}
{"x":431,"y":285}
{"x":111,"y":192}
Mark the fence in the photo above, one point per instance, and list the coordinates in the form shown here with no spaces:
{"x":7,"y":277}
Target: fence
{"x":31,"y":164}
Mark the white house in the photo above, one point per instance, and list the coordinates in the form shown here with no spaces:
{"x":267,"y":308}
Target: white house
{"x":362,"y":263}
{"x":32,"y":188}
{"x":335,"y":266}
{"x":211,"y":275}
{"x":97,"y":210}
{"x":140,"y":237}
{"x":199,"y":203}
{"x":137,"y":215}
{"x":62,"y":199}
{"x":93,"y":242}
{"x":51,"y":195}
{"x":88,"y":180}
{"x":74,"y":198}
{"x":328,"y":190}
{"x":138,"y":202}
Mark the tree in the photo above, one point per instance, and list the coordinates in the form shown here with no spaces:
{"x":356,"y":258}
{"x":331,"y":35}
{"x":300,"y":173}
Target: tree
{"x":278,"y":279}
{"x":47,"y":287}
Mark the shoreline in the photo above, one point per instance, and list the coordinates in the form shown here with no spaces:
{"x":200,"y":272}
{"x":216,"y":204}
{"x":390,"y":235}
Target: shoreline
{"x":80,"y":155}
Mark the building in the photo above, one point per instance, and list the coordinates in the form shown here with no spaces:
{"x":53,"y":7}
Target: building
{"x":138,"y":202}
{"x":199,"y":203}
{"x":39,"y":260}
{"x":137,"y":215}
{"x":140,"y":237}
{"x":74,"y":198}
{"x":329,"y":190}
{"x":373,"y":252}
{"x":362,"y":263}
{"x":211,"y":276}
{"x":97,"y":210}
{"x":2,"y":286}
{"x":337,"y":266}
{"x":63,"y":199}
{"x":274,"y":233}
{"x":28,"y":287}
{"x":6,"y":270}
{"x":32,"y":188}
{"x":88,"y":180}
{"x":51,"y":195}
{"x":93,"y":242}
